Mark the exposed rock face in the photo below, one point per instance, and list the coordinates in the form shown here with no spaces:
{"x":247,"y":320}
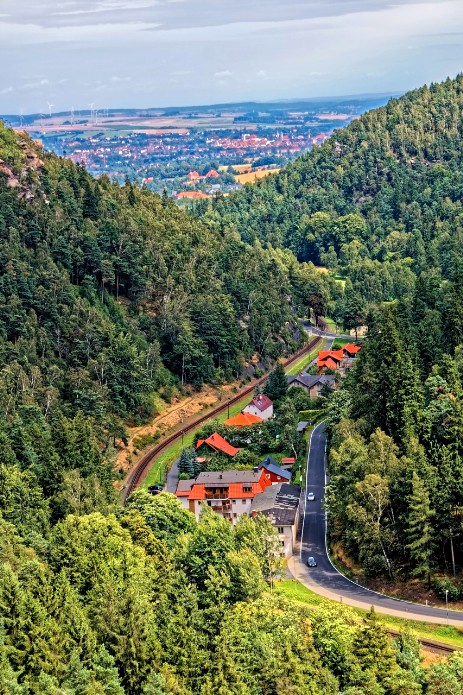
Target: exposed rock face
{"x":30,"y":163}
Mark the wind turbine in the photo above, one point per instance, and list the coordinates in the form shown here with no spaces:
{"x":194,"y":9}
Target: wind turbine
{"x":91,"y":110}
{"x":50,"y":106}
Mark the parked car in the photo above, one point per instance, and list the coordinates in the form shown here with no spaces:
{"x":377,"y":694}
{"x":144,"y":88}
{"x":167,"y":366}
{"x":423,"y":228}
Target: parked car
{"x":310,"y":497}
{"x":155,"y":489}
{"x":311,"y":562}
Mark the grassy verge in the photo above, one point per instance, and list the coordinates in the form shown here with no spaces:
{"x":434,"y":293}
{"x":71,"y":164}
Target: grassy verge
{"x":441,"y":633}
{"x":305,"y":360}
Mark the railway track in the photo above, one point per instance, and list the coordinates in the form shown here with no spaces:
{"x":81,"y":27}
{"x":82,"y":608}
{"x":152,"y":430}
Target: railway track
{"x":431,"y":645}
{"x":146,"y":460}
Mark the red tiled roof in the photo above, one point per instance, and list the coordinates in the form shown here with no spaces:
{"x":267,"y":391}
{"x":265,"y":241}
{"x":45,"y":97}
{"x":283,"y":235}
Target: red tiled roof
{"x":212,"y":173}
{"x":329,"y":363}
{"x":218,"y":443}
{"x":353,"y":349}
{"x":235,"y":490}
{"x":243,"y":420}
{"x":261,"y":402}
{"x":288,"y":460}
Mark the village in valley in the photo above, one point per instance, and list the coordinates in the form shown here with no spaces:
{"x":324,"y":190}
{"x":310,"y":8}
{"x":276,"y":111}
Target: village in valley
{"x":253,"y":462}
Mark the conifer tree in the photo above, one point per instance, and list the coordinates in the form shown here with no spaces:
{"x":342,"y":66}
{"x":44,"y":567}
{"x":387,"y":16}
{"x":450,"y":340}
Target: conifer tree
{"x":419,"y":529}
{"x":276,"y":386}
{"x":185,"y":464}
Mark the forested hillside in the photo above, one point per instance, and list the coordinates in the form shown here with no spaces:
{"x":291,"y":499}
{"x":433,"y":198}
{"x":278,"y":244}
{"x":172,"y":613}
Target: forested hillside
{"x":379,"y":202}
{"x":109,"y":297}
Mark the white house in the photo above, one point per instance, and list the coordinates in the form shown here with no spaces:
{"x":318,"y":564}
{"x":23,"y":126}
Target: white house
{"x":261,"y":405}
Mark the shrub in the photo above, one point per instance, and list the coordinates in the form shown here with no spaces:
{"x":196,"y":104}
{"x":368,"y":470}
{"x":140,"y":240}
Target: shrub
{"x":440,"y":586}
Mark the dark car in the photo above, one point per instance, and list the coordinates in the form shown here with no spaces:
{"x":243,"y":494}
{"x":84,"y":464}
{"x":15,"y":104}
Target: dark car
{"x":311,"y":562}
{"x":155,"y":489}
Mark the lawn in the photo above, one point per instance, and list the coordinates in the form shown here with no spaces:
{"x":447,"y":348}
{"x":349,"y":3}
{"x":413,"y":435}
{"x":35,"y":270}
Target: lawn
{"x":305,"y":360}
{"x":433,"y":631}
{"x":330,"y":324}
{"x":339,"y":343}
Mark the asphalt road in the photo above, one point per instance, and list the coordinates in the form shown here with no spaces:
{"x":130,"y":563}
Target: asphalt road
{"x":325,"y":579}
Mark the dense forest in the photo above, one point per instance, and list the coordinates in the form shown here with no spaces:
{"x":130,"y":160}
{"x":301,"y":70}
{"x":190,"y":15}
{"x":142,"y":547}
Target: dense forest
{"x":379,"y":202}
{"x":111,"y":296}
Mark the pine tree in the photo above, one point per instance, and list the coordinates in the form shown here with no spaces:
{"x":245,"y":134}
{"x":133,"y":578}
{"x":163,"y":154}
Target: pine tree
{"x":185,"y":464}
{"x":277,"y":386}
{"x":419,"y":529}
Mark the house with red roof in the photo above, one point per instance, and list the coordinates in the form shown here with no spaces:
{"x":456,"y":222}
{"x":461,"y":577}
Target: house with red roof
{"x":229,"y":493}
{"x":218,"y":445}
{"x":212,"y":174}
{"x":261,"y":405}
{"x":193,"y":195}
{"x":243,"y":420}
{"x":193,"y":176}
{"x":337,"y":360}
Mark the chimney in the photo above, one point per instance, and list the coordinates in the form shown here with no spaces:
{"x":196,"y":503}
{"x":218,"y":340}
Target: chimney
{"x":220,"y":476}
{"x":256,"y":469}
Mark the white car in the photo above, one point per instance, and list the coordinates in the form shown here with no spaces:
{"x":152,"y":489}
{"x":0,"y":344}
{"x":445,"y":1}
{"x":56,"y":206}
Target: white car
{"x":310,"y":497}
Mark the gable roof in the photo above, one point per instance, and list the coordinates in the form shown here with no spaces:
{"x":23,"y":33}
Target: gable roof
{"x":218,"y":443}
{"x":238,"y":484}
{"x":351,"y":348}
{"x":279,"y":502}
{"x":310,"y":380}
{"x":272,"y":467}
{"x":243,"y":420}
{"x":261,"y":402}
{"x":329,"y":363}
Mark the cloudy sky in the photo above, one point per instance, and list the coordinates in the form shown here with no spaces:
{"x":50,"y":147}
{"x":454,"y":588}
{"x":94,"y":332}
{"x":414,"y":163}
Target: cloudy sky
{"x":141,"y":53}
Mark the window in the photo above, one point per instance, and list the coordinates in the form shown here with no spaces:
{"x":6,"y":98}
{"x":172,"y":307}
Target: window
{"x":233,"y":501}
{"x":268,"y":476}
{"x":209,"y":503}
{"x":243,"y":501}
{"x":235,"y":515}
{"x":247,"y":488}
{"x":282,"y":544}
{"x":281,"y":529}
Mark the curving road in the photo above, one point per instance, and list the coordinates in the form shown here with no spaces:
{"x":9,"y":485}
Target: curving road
{"x":325,"y":578}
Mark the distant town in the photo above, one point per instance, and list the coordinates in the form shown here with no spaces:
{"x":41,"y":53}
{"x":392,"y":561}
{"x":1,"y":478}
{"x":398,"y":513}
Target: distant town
{"x":191,"y":153}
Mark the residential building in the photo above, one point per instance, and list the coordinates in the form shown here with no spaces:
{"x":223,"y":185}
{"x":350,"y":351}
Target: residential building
{"x":261,"y":405}
{"x":243,"y":420}
{"x":218,"y":444}
{"x":274,"y":472}
{"x":337,"y":360}
{"x":311,"y":384}
{"x":280,"y":503}
{"x":229,"y":493}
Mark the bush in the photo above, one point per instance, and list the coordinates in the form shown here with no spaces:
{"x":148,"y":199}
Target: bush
{"x":440,"y":586}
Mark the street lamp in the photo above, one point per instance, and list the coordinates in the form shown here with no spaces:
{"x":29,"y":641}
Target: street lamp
{"x":228,"y":408}
{"x":447,"y":602}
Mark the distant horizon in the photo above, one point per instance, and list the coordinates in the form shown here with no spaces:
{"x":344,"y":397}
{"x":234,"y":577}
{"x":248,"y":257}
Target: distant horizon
{"x":332,"y":98}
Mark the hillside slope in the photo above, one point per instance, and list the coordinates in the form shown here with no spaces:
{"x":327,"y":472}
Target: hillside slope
{"x":380,"y":199}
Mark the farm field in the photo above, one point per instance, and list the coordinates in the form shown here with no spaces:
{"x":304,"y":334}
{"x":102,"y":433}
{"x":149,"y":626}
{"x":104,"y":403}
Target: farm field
{"x":253,"y":176}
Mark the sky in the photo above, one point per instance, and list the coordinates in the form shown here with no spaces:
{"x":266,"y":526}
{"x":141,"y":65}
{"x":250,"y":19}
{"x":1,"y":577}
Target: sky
{"x":63,"y":54}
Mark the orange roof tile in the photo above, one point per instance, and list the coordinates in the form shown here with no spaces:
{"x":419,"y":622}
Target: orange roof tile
{"x":218,"y":443}
{"x":350,"y":347}
{"x":243,"y":420}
